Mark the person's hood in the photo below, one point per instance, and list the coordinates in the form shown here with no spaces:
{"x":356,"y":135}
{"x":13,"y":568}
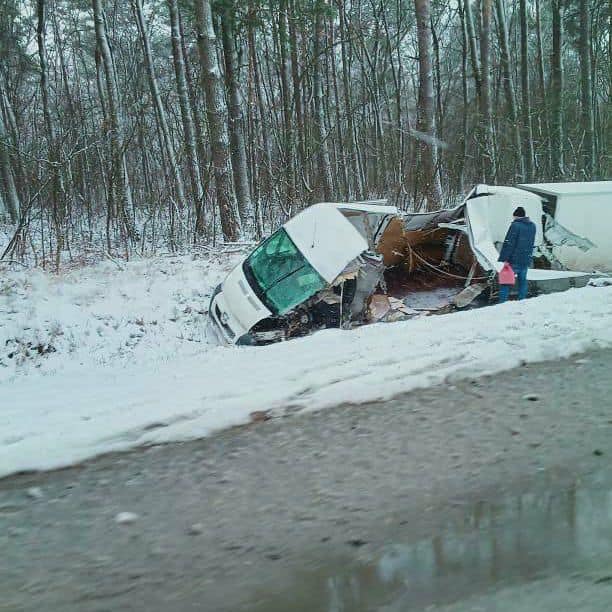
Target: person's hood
{"x":522,"y":220}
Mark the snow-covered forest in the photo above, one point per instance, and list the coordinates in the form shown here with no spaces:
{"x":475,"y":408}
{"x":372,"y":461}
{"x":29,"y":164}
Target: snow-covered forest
{"x":130,"y":127}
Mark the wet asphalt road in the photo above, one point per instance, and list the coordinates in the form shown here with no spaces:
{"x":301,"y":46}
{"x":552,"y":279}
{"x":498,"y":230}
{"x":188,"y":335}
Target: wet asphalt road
{"x":245,"y":519}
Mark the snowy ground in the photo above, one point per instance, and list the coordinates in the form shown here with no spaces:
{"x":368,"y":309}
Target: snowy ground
{"x":115,"y":355}
{"x":111,"y":313}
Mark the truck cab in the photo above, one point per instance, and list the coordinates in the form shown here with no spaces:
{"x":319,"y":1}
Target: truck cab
{"x":265,"y":298}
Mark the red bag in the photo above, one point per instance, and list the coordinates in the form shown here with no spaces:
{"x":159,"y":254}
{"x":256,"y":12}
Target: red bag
{"x":506,"y":275}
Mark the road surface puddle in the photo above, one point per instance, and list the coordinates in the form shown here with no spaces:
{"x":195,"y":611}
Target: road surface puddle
{"x":480,"y":548}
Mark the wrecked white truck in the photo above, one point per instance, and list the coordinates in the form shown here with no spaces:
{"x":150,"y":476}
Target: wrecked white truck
{"x":344,"y":265}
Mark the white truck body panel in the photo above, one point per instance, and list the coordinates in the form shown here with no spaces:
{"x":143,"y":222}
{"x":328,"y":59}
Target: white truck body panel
{"x":488,"y":218}
{"x":240,"y":303}
{"x":584,"y":209}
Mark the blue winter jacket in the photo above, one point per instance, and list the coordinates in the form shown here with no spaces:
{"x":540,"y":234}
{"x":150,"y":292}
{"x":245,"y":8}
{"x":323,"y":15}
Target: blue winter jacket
{"x":519,"y":243}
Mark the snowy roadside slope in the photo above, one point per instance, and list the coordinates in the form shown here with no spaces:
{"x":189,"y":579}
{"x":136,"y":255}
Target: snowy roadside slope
{"x":85,"y":410}
{"x":142,"y":311}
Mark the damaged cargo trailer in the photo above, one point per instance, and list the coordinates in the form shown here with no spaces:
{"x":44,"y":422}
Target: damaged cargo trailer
{"x":344,"y":265}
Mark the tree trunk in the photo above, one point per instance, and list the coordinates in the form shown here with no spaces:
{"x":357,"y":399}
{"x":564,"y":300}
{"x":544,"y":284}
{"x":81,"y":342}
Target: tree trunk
{"x":202,"y":149}
{"x":396,"y":97}
{"x":216,"y":113}
{"x":526,"y":94}
{"x":261,"y":119}
{"x":486,"y":114}
{"x":4,"y":212}
{"x":556,"y":91}
{"x":57,"y":188}
{"x":160,"y":111}
{"x":469,"y":22}
{"x":10,"y":199}
{"x":236,"y":122}
{"x":508,"y":85}
{"x":542,"y":82}
{"x":13,"y":133}
{"x":341,"y":165}
{"x":189,"y":131}
{"x":543,"y":118}
{"x":355,"y":174}
{"x":464,"y":94}
{"x":297,"y":86}
{"x":325,"y":175}
{"x":427,"y":150}
{"x":120,"y":191}
{"x":285,"y":73}
{"x":588,"y":149}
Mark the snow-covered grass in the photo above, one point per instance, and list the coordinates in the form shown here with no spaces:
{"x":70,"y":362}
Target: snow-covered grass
{"x":125,"y":360}
{"x":107,"y":314}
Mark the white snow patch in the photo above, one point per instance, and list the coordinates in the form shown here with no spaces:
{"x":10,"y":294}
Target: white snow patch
{"x":604,"y":281}
{"x":35,"y":493}
{"x":104,"y":391}
{"x":126,"y":518}
{"x":146,"y":310}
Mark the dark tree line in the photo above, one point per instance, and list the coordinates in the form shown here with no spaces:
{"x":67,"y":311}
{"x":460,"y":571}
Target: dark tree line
{"x":142,"y":123}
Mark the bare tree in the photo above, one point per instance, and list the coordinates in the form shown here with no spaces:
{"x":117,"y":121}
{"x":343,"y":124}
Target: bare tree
{"x":556,"y":91}
{"x":486,"y":113}
{"x":526,"y":95}
{"x":216,"y":112}
{"x":295,"y":101}
{"x":189,"y":130}
{"x":508,"y":84}
{"x":120,"y":192}
{"x":427,"y":149}
{"x":588,"y":148}
{"x":325,"y":175}
{"x":236,"y":123}
{"x":160,"y":112}
{"x":9,"y":198}
{"x":471,"y":32}
{"x":351,"y":141}
{"x":285,"y":87}
{"x":57,"y":187}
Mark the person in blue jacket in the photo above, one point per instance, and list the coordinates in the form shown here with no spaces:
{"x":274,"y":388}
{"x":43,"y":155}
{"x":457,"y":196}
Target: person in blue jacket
{"x":517,"y":250}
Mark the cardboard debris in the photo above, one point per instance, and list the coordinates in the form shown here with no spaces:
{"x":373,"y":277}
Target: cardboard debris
{"x":468,"y":295}
{"x":399,"y":306}
{"x":378,"y":307}
{"x":385,"y":308}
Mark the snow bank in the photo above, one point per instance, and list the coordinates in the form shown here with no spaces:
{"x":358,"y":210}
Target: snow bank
{"x":108,"y":313}
{"x":98,"y":392}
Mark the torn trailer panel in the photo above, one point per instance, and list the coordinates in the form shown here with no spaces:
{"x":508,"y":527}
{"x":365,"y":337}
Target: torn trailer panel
{"x":488,"y":211}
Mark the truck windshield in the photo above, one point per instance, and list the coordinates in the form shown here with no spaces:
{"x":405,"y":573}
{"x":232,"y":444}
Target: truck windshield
{"x":280,"y":275}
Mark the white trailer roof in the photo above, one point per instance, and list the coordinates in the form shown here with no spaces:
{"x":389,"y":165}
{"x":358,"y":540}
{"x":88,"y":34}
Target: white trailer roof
{"x":562,"y":189}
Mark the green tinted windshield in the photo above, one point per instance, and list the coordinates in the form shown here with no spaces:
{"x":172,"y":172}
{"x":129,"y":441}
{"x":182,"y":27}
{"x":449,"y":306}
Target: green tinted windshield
{"x":283,"y":275}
